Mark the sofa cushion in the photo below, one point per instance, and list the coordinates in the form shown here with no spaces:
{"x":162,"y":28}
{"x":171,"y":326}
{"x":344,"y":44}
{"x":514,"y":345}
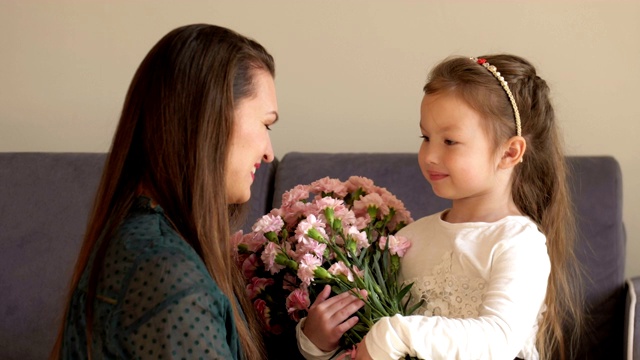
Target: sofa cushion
{"x":596,"y":185}
{"x":46,"y":199}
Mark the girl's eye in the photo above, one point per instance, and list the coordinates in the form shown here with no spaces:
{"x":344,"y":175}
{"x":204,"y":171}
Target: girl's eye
{"x":268,"y":127}
{"x":425,"y":138}
{"x":449,"y":142}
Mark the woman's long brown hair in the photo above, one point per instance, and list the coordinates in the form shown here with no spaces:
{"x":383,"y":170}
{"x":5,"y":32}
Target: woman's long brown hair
{"x":539,"y":184}
{"x":173,"y":138}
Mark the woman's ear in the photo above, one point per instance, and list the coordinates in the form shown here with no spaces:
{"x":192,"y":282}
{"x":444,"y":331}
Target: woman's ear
{"x":513,"y":152}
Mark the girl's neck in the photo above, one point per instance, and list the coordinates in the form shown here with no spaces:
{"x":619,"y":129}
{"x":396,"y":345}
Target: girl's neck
{"x":461,"y":212}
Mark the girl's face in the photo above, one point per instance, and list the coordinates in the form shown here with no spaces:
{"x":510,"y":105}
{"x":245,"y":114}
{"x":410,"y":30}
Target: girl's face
{"x":456,"y":155}
{"x":250,"y":143}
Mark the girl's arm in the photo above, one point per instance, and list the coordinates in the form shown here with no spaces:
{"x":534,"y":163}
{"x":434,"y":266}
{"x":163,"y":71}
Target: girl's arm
{"x":509,"y":312}
{"x":328,"y":319}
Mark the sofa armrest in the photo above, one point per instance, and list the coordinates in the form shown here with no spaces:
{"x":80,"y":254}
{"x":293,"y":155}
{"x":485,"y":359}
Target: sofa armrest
{"x":632,"y":319}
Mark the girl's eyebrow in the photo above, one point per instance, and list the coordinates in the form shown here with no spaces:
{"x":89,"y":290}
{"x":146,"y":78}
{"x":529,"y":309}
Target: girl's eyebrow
{"x":452,"y":127}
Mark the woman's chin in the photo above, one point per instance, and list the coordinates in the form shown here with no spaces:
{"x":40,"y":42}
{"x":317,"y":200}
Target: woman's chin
{"x":240,"y":199}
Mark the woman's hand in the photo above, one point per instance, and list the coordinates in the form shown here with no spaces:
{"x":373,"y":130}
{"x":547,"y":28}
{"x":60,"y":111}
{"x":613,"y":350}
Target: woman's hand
{"x":329,"y":318}
{"x":362,"y":353}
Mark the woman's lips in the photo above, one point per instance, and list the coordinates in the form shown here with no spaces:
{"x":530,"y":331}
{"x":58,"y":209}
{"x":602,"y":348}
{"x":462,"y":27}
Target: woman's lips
{"x":256,"y":166}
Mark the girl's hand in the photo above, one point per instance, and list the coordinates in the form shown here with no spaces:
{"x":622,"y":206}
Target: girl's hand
{"x":362,"y":352}
{"x":329,"y":318}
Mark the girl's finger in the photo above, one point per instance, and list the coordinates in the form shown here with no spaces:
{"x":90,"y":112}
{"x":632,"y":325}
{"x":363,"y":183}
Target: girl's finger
{"x":345,"y":310}
{"x":324,"y":294}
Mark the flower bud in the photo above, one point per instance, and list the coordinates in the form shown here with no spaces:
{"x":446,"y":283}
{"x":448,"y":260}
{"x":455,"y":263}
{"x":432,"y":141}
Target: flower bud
{"x":351,"y":246}
{"x":395,"y":263}
{"x":321,"y":273}
{"x":282,"y":259}
{"x":271,"y":236}
{"x":243,"y":249}
{"x":315,"y":235}
{"x":336,"y":225}
{"x":329,"y":215}
{"x":377,"y":289}
{"x":372,"y":211}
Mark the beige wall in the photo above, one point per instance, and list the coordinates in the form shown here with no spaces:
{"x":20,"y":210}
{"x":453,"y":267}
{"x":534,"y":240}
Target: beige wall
{"x":349,"y":73}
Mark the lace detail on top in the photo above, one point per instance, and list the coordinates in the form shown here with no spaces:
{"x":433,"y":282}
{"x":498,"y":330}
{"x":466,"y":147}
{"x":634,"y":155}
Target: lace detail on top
{"x":447,"y":294}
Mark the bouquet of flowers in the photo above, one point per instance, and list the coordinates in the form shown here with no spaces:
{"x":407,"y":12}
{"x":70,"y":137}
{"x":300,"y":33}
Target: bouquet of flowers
{"x":327,"y":232}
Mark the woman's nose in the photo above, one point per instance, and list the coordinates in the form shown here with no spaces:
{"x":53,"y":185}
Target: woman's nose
{"x":268,"y":155}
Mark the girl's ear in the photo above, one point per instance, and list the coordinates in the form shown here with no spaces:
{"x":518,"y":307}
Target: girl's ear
{"x":513,"y":152}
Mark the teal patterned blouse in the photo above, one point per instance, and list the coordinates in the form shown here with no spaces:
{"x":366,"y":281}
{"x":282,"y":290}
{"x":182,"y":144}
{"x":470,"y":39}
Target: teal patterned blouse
{"x":156,"y":299}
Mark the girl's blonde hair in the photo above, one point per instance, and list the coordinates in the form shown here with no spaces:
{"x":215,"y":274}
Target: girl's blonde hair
{"x":539,"y":184}
{"x":173,"y":137}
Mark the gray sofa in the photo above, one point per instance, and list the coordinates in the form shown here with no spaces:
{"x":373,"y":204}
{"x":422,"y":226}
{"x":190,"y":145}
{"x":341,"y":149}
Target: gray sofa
{"x":45,"y":199}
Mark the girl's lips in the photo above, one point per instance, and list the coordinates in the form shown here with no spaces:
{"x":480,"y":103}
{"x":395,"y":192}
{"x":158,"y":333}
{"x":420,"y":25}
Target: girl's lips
{"x":435,"y":176}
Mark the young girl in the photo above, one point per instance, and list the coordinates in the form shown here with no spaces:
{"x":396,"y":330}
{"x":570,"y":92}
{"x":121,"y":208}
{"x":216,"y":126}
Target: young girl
{"x":155,"y":278}
{"x":496,"y":270}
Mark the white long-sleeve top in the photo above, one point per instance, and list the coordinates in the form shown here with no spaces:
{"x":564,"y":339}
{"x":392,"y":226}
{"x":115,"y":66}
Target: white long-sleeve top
{"x":483,"y":284}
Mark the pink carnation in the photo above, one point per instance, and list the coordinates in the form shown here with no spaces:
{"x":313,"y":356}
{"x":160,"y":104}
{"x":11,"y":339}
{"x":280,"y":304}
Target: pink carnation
{"x":308,"y":264}
{"x":257,"y":285}
{"x":268,"y":223}
{"x":298,"y":300}
{"x":347,"y":216}
{"x":355,"y":182}
{"x":339,"y":268}
{"x":249,"y":266}
{"x":328,"y":185}
{"x":362,"y":221}
{"x":293,"y":213}
{"x":264,"y":312}
{"x":383,"y":192}
{"x":236,"y":238}
{"x":298,"y":193}
{"x":360,"y":207}
{"x":311,"y":222}
{"x":310,"y":246}
{"x":398,"y":245}
{"x":268,"y":257}
{"x":360,"y":237}
{"x":327,"y":202}
{"x":254,"y":241}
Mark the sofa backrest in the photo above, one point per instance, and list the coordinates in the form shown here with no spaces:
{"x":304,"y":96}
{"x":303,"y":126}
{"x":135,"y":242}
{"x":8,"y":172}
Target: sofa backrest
{"x":597,"y":193}
{"x":45,"y":200}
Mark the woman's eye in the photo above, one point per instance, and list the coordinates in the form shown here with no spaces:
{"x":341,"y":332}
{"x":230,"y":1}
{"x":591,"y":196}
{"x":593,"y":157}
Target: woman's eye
{"x":268,"y":127}
{"x":449,"y":142}
{"x":425,"y":138}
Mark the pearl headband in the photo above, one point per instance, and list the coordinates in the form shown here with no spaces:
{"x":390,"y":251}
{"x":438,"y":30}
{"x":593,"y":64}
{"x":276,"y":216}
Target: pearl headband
{"x":505,"y":86}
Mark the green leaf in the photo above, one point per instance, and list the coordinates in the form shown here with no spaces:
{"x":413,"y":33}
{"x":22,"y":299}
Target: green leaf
{"x":415,"y":307}
{"x":403,"y":292}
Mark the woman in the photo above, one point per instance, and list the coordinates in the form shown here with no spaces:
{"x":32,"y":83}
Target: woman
{"x":155,"y":276}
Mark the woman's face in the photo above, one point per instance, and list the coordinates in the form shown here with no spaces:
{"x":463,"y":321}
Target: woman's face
{"x":250,"y":143}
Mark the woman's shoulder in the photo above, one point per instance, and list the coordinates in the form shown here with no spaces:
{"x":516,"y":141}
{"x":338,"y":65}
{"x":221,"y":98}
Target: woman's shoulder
{"x":148,"y":256}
